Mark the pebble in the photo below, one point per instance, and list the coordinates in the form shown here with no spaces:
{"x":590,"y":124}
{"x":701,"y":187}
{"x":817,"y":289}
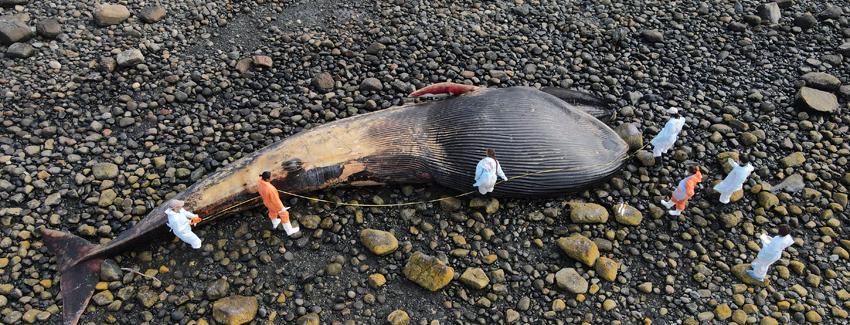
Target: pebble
{"x":588,"y":213}
{"x":48,"y":28}
{"x":475,"y":278}
{"x":20,"y":51}
{"x":14,"y":31}
{"x":818,"y":100}
{"x":770,"y":12}
{"x":235,"y":310}
{"x":428,"y":271}
{"x":579,"y":248}
{"x":398,"y":317}
{"x":568,"y":279}
{"x":379,"y":242}
{"x":152,"y":13}
{"x":129,"y":58}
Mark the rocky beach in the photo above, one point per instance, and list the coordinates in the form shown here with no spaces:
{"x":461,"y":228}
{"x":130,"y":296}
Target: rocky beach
{"x":110,"y":109}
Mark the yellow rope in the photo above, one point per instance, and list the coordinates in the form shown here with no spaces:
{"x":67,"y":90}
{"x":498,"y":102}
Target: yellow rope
{"x":316,"y":199}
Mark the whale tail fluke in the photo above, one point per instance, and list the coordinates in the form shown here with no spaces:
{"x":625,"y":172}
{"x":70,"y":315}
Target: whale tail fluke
{"x":79,"y":276}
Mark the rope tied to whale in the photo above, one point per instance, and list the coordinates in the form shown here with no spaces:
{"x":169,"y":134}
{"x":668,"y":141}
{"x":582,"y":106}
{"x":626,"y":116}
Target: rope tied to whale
{"x":401,"y":204}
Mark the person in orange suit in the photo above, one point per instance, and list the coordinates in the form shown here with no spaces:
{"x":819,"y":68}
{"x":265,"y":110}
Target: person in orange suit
{"x":271,"y":199}
{"x":684,"y":191}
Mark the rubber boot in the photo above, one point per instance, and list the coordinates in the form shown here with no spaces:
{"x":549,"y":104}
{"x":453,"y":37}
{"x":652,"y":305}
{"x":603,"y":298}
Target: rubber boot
{"x":667,"y":204}
{"x":275,"y":223}
{"x":289,"y":230}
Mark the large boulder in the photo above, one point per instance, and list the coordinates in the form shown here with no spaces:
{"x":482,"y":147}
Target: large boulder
{"x":821,"y":80}
{"x":568,"y":279}
{"x":235,"y":310}
{"x":428,"y":271}
{"x":111,"y":14}
{"x":579,"y":248}
{"x":13,"y":31}
{"x":588,"y":213}
{"x":378,"y":242}
{"x":818,"y":100}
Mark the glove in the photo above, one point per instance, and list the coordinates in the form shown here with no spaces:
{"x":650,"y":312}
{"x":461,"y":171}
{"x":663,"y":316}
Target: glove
{"x":195,"y":220}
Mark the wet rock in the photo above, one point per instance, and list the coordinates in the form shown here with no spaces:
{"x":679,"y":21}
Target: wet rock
{"x":398,"y":317}
{"x":646,"y":158}
{"x":740,"y":271}
{"x":790,"y":184}
{"x":428,"y":271}
{"x":20,"y":51}
{"x":731,"y":220}
{"x":568,"y":279}
{"x":770,"y":12}
{"x":475,"y":278}
{"x":844,"y":48}
{"x":152,"y":13}
{"x":607,"y":268}
{"x":103,"y":298}
{"x":107,"y":197}
{"x":579,"y":248}
{"x":371,"y":84}
{"x":805,"y":21}
{"x":48,"y":28}
{"x":627,"y":215}
{"x":262,"y":61}
{"x":822,"y":80}
{"x":451,"y":204}
{"x":309,"y":319}
{"x":129,"y":58}
{"x":377,"y":280}
{"x":111,"y":14}
{"x":793,"y":160}
{"x":767,"y":200}
{"x":631,"y":135}
{"x":7,"y":3}
{"x":109,"y":271}
{"x":378,"y":242}
{"x":14,"y":31}
{"x":310,"y":221}
{"x":235,"y":310}
{"x":323,"y":82}
{"x":105,"y":170}
{"x":831,"y":12}
{"x":817,"y":100}
{"x":218,"y":289}
{"x":652,"y":36}
{"x":588,"y":213}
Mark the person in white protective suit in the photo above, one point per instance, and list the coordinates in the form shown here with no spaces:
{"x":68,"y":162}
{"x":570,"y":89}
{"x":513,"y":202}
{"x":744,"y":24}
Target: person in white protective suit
{"x":486,"y":172}
{"x":735,"y":180}
{"x":665,"y":139}
{"x":771,"y":251}
{"x":181,"y":221}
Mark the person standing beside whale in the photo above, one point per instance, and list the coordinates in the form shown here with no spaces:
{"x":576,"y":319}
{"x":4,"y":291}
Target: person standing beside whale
{"x":181,"y":221}
{"x":486,"y":172}
{"x":271,"y":199}
{"x":665,"y":139}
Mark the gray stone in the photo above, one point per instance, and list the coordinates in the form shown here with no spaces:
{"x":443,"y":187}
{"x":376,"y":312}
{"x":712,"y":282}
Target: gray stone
{"x":109,"y":271}
{"x":218,"y":289}
{"x":818,"y":100}
{"x":152,"y":13}
{"x":323,"y":82}
{"x":770,"y":12}
{"x":844,"y":48}
{"x":805,"y":21}
{"x":631,"y":135}
{"x":129,"y":58}
{"x":9,"y":3}
{"x":13,"y":31}
{"x":790,"y":184}
{"x":105,"y":170}
{"x":111,"y":14}
{"x":48,"y":28}
{"x":652,"y":36}
{"x":371,"y":84}
{"x":568,"y":279}
{"x":821,"y":80}
{"x":20,"y":51}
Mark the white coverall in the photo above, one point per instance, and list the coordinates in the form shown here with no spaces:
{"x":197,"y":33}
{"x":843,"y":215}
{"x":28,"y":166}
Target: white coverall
{"x":771,"y":251}
{"x":180,"y":226}
{"x":667,"y":137}
{"x":734,"y":181}
{"x":485,"y":175}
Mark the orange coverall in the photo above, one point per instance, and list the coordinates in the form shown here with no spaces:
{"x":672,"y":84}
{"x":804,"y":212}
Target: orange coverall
{"x":271,"y":200}
{"x":685,"y":190}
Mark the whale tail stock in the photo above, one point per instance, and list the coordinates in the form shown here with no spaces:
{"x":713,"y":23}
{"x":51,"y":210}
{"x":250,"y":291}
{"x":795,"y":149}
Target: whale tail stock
{"x":79,"y":277}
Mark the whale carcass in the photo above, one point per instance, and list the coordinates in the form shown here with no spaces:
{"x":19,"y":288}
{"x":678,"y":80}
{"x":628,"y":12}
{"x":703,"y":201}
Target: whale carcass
{"x":553,"y":140}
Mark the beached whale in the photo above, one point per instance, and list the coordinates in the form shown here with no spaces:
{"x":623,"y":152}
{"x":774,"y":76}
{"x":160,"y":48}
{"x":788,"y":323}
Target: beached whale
{"x":552,"y":139}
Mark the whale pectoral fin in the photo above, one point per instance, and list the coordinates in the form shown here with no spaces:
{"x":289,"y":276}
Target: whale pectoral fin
{"x":587,"y":102}
{"x":444,"y":88}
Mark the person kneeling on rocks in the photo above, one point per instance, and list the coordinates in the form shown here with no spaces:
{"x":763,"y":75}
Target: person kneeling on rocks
{"x":771,"y":251}
{"x":271,"y":199}
{"x":181,"y":221}
{"x":735,"y":180}
{"x":684,"y":191}
{"x":486,"y":172}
